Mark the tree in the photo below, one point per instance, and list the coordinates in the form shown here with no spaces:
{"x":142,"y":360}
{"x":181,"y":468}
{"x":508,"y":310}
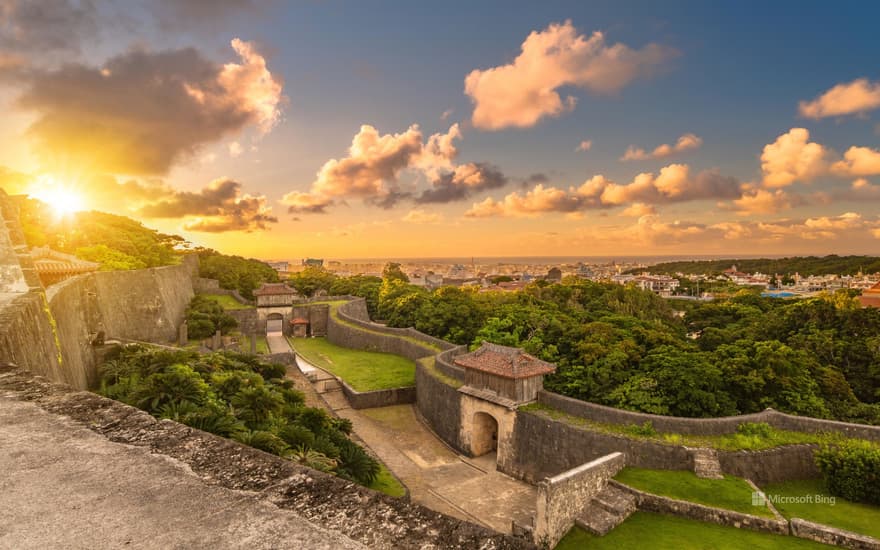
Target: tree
{"x":393,"y":272}
{"x":311,"y":279}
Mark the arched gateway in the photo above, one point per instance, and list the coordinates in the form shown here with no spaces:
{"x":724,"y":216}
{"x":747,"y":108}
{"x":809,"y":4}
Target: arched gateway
{"x":498,"y":379}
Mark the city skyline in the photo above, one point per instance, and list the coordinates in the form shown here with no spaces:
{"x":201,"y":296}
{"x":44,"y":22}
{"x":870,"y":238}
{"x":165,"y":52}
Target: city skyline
{"x":343,"y":130}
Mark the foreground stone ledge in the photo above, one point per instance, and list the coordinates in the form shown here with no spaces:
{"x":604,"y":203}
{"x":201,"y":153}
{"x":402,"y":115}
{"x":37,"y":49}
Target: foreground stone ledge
{"x":371,"y":518}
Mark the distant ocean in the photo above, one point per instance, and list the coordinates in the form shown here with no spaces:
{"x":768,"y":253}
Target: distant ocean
{"x":548,"y":260}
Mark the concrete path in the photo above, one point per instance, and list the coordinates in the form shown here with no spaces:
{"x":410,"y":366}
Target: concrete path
{"x":436,"y":476}
{"x":277,"y":342}
{"x":64,"y":486}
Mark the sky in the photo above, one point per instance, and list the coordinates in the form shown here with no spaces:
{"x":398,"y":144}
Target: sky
{"x":282,"y":130}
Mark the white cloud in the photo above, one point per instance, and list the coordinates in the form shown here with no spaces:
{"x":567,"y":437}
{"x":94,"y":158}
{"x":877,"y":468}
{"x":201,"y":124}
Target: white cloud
{"x":686,"y":142}
{"x":792,"y":157}
{"x":420,"y":216}
{"x":585,"y":145}
{"x":858,"y":96}
{"x":523,"y":92}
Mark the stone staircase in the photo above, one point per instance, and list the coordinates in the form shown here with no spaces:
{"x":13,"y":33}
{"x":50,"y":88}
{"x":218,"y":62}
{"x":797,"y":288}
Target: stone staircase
{"x":606,"y":511}
{"x":706,"y":463}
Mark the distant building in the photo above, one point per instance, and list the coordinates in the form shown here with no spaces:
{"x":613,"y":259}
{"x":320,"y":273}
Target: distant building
{"x":554,"y":275}
{"x":313,"y":262}
{"x":279,"y":266}
{"x":871,"y":296}
{"x":274,"y":305}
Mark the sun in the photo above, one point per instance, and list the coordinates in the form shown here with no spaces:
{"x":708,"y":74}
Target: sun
{"x":61,"y":197}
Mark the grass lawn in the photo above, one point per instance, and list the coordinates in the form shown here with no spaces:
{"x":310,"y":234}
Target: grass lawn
{"x":262,"y":344}
{"x":387,"y":483}
{"x":660,"y":532}
{"x":852,"y":516}
{"x":362,"y":370}
{"x":730,"y":493}
{"x":228,"y":302}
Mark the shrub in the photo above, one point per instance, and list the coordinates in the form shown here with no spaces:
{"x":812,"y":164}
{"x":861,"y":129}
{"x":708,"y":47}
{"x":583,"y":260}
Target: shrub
{"x":644,"y":430}
{"x":851,"y":470}
{"x":755,"y":429}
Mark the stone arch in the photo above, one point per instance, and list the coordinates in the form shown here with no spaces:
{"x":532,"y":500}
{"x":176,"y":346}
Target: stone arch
{"x":275,"y":322}
{"x":484,"y":434}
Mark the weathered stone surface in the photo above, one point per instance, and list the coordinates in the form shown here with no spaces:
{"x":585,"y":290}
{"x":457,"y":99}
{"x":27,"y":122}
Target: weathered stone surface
{"x":706,"y":463}
{"x":789,"y":462}
{"x":133,"y":463}
{"x":571,"y":494}
{"x":829,"y":535}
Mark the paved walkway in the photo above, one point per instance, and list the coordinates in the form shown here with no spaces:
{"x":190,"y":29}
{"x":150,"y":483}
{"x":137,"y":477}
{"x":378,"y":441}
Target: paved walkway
{"x":277,"y":342}
{"x":436,"y":476}
{"x":65,"y":486}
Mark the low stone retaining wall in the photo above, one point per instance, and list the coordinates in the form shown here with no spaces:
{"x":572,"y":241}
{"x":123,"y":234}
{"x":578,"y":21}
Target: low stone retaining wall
{"x":664,"y":505}
{"x":445,"y":362}
{"x":563,"y":497}
{"x":829,"y":535}
{"x":378,"y":398}
{"x":439,"y":404}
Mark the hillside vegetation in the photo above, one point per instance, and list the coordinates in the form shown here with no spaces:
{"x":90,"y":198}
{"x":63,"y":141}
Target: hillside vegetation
{"x":804,"y":265}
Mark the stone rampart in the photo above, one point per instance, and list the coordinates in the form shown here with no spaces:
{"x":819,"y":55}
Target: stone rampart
{"x":544,"y":447}
{"x":249,"y":321}
{"x":703,"y":426}
{"x":786,"y":463}
{"x":563,"y":497}
{"x":439,"y":404}
{"x":202,"y":285}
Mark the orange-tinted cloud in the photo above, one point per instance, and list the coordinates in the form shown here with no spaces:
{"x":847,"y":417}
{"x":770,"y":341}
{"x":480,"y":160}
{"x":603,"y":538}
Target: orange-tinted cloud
{"x":856,"y":97}
{"x":687,"y":142}
{"x":523,"y":92}
{"x":375,"y":163}
{"x":218,"y":207}
{"x":673,"y":183}
{"x":144,"y":111}
{"x":793,"y":157}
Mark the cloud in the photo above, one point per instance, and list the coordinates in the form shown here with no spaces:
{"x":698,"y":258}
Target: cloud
{"x":376,"y":162}
{"x":41,"y":26}
{"x":585,"y":145}
{"x":523,"y":92}
{"x":792,"y":157}
{"x":674,"y":183}
{"x":142,"y":112}
{"x":858,"y":161}
{"x":420,"y":216}
{"x":762,"y":201}
{"x":464,"y":181}
{"x":446,"y":114}
{"x":235,"y":149}
{"x":856,"y":97}
{"x":637,"y":210}
{"x":219,"y":207}
{"x":687,"y":142}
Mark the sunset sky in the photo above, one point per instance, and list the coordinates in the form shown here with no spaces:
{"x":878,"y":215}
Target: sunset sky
{"x":414,"y":129}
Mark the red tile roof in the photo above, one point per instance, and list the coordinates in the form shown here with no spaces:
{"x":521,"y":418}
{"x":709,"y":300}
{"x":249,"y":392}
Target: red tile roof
{"x":504,"y":361}
{"x":48,"y":261}
{"x":299,"y":321}
{"x":274,"y":289}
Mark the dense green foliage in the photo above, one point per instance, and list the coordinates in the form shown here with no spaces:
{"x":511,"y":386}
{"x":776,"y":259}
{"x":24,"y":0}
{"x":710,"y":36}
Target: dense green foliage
{"x":804,"y":265}
{"x":809,"y":499}
{"x":205,"y":316}
{"x":238,"y":396}
{"x":313,"y":279}
{"x":623,"y":347}
{"x":851,"y":470}
{"x":236,"y":273}
{"x":116,"y":242}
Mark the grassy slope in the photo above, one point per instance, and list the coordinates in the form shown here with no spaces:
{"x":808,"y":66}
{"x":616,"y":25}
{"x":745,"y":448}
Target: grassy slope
{"x":660,"y":532}
{"x":861,"y":518}
{"x":730,"y":493}
{"x":262,"y":344}
{"x":363,"y":370}
{"x":228,"y":302}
